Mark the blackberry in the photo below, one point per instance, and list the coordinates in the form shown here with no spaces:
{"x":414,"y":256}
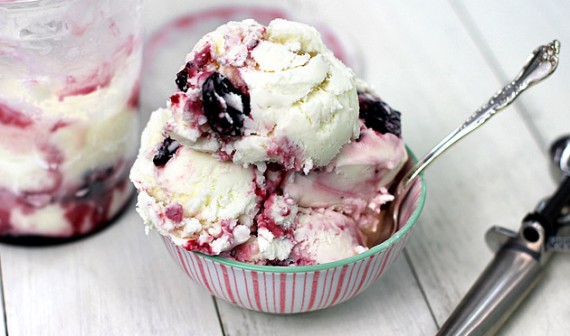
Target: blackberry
{"x":165,"y":152}
{"x":378,"y":115}
{"x":190,"y":70}
{"x":182,"y":80}
{"x":224,"y":105}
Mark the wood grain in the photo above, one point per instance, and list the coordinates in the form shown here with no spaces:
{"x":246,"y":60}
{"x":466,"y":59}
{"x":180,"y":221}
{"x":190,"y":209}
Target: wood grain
{"x":506,"y":29}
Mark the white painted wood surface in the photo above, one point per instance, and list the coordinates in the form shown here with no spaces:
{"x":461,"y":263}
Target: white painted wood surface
{"x":118,"y":282}
{"x":435,"y":61}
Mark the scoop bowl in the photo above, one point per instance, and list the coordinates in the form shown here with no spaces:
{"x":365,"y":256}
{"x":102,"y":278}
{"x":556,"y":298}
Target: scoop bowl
{"x":297,"y":289}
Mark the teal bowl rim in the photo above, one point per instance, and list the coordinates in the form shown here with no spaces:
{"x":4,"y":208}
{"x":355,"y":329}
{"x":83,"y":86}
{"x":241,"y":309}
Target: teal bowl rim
{"x":334,"y":264}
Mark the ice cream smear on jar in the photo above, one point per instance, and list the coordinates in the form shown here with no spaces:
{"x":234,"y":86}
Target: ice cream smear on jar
{"x":69,"y":79}
{"x":271,"y":151}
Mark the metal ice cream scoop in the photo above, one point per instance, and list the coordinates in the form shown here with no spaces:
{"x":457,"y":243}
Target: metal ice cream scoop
{"x":519,"y":260}
{"x":541,"y":63}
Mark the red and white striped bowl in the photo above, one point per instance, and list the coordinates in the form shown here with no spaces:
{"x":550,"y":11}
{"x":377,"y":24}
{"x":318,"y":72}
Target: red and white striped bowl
{"x":285,"y":290}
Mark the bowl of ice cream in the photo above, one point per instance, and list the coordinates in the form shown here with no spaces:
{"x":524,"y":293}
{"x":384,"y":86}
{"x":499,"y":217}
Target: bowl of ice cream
{"x":298,"y":289}
{"x":267,"y":165}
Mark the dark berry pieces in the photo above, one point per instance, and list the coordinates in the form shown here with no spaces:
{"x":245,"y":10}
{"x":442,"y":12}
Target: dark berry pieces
{"x":165,"y":152}
{"x":190,"y":70}
{"x":193,"y":67}
{"x":224,"y":105}
{"x":378,"y":115}
{"x":182,"y":80}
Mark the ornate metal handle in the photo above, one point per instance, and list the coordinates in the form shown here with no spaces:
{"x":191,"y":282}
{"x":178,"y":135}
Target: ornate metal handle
{"x":541,"y":63}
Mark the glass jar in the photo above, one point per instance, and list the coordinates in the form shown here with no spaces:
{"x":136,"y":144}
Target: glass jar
{"x":69,"y":121}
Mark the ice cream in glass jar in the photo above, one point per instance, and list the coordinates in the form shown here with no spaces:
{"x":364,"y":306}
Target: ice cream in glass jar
{"x":69,"y":122}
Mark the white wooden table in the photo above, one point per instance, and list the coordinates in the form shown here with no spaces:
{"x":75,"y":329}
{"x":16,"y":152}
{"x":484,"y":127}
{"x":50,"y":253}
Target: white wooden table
{"x":436,"y":62}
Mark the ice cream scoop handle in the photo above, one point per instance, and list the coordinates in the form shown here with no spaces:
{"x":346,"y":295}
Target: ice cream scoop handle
{"x":503,"y":285}
{"x":499,"y":290}
{"x":541,"y":63}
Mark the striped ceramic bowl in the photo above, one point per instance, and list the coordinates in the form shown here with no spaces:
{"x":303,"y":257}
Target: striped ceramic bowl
{"x":285,"y":290}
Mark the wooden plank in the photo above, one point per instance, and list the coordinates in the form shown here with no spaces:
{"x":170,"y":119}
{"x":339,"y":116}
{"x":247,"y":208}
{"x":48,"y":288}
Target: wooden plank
{"x":510,"y":28}
{"x":392,"y":306}
{"x":118,"y":282}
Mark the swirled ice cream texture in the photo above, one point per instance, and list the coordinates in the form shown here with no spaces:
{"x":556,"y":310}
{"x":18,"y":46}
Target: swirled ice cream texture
{"x":67,"y":143}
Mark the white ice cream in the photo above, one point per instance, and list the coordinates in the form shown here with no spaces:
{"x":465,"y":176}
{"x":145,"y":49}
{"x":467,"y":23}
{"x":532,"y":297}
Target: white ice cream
{"x":325,"y":236}
{"x":304,"y":106}
{"x":209,"y":193}
{"x":58,"y":140}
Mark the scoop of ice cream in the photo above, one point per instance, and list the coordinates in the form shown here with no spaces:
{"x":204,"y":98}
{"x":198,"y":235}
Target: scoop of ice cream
{"x":363,"y":168}
{"x":257,"y":94}
{"x":190,"y":195}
